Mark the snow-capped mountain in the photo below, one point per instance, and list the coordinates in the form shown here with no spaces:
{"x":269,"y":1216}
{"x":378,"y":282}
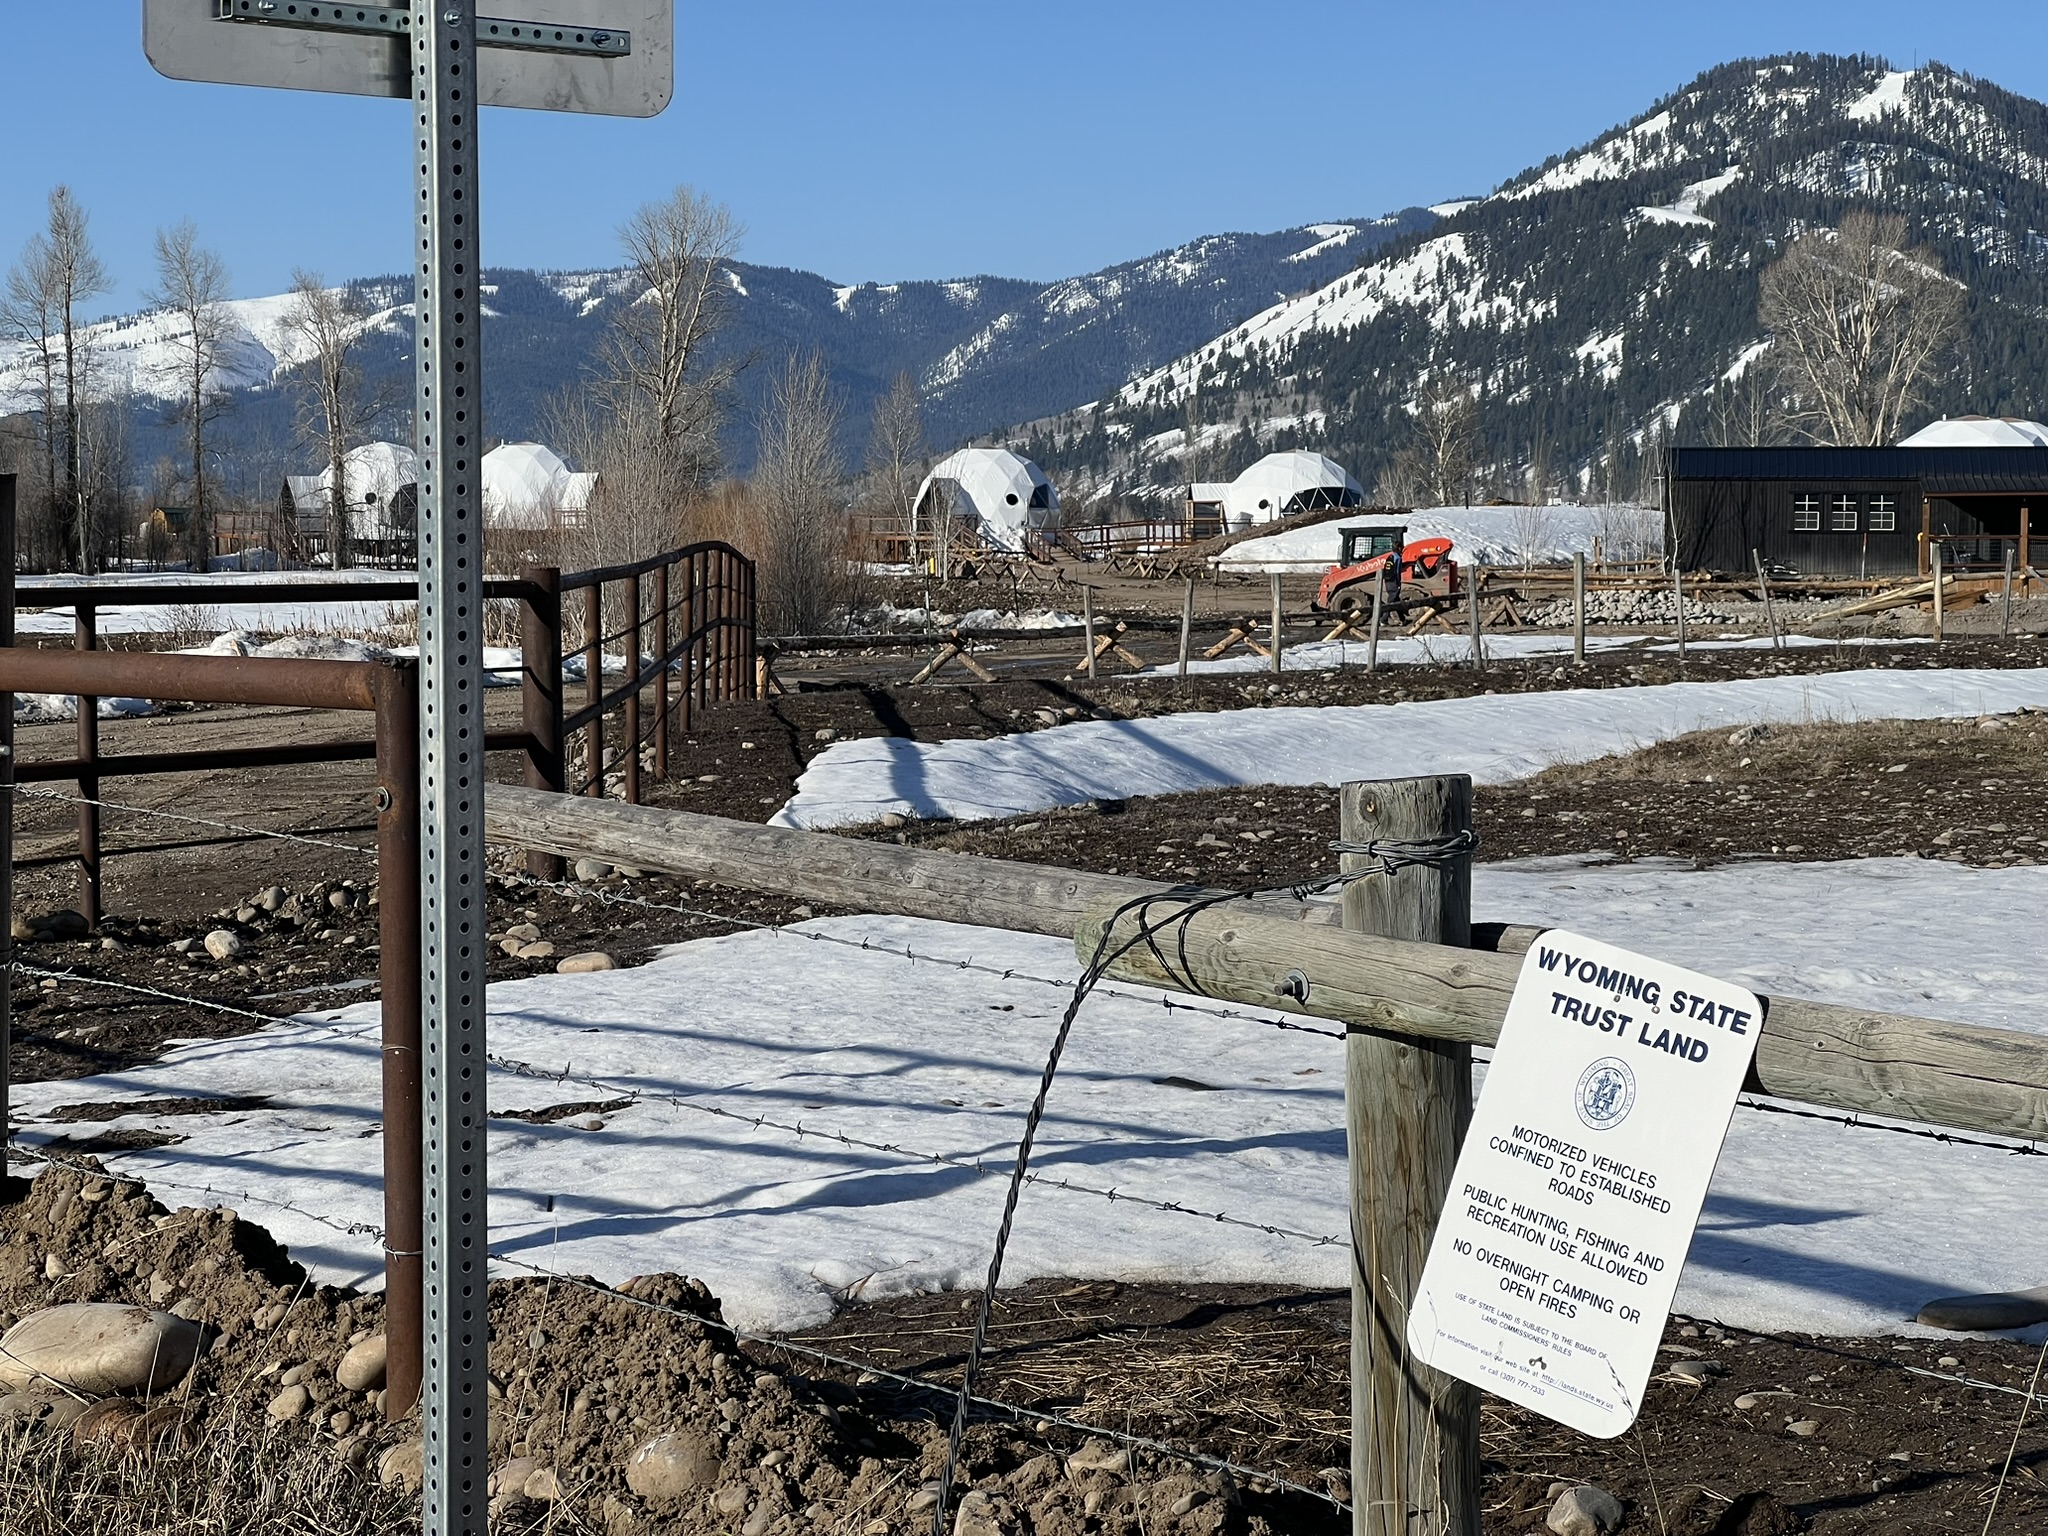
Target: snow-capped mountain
{"x":989,"y":350}
{"x":1603,"y":297}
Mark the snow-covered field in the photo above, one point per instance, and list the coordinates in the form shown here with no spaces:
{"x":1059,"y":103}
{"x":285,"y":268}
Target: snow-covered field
{"x":220,"y":610}
{"x":1493,"y":535}
{"x":1492,"y":737}
{"x":1810,"y":1225}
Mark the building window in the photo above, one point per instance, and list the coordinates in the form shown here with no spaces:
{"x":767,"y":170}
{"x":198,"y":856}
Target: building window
{"x":1805,"y":513}
{"x":1884,"y":515}
{"x":1842,"y":514}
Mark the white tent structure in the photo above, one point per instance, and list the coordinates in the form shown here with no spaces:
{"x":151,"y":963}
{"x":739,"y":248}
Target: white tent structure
{"x":1002,"y":494}
{"x":380,"y":482}
{"x":530,"y":486}
{"x":1979,"y":432}
{"x":1280,"y":485}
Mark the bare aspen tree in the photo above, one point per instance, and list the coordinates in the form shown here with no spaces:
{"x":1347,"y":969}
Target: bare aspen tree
{"x":1446,"y":433}
{"x":57,"y":276}
{"x":1858,"y":323}
{"x":801,"y":539}
{"x":336,"y":408}
{"x":897,"y":451}
{"x":652,"y":378}
{"x":192,"y":289}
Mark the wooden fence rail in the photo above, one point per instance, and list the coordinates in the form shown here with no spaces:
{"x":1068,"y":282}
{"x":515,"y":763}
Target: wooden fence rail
{"x":1962,"y":1076}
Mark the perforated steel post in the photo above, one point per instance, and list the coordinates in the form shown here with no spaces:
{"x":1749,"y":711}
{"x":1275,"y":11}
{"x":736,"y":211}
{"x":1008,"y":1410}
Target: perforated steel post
{"x":447,"y":429}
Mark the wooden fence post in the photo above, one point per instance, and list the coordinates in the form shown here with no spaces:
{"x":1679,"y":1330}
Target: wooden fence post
{"x":1372,"y":639}
{"x":1187,"y":626}
{"x":2005,"y":614}
{"x":1763,"y":582}
{"x":1678,"y":594}
{"x":593,"y":685}
{"x":635,"y":650}
{"x":1414,"y":1431}
{"x":1934,"y":555}
{"x":661,"y":647}
{"x":7,"y":509}
{"x":1277,"y":624}
{"x":1579,"y":607}
{"x":1478,"y":643}
{"x":1088,"y":629}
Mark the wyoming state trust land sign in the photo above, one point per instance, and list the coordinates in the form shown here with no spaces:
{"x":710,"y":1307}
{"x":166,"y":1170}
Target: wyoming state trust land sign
{"x":1581,"y":1179}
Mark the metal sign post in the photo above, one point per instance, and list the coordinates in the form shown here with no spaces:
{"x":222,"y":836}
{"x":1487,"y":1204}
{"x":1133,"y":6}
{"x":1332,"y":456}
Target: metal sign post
{"x":448,"y":62}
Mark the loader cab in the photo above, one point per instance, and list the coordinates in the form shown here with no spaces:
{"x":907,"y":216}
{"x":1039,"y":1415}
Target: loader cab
{"x":1362,"y":544}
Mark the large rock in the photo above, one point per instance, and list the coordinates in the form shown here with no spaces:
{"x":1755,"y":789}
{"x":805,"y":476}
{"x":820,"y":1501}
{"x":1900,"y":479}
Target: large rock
{"x":362,"y":1368}
{"x":223,"y":945}
{"x":586,"y":963}
{"x":403,"y":1466}
{"x":1988,"y":1313}
{"x":673,"y":1464}
{"x":100,"y":1348}
{"x":1585,"y":1511}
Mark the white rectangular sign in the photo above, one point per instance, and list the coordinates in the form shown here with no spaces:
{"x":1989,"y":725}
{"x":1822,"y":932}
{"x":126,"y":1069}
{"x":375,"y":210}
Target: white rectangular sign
{"x":1581,"y":1179}
{"x":186,"y":40}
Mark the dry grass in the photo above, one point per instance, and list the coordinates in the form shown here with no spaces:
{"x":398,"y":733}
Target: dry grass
{"x":1814,"y":750}
{"x":244,"y":1478}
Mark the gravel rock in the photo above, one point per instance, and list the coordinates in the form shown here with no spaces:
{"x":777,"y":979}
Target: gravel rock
{"x":539,"y":950}
{"x":977,"y":1516}
{"x":672,"y":1465}
{"x":101,"y":1348}
{"x":542,"y":1486}
{"x":223,"y":945}
{"x":1100,"y":1456}
{"x":362,"y":1368}
{"x":290,"y":1404}
{"x":1585,"y":1511}
{"x":592,"y":869}
{"x":1805,"y":1429}
{"x":588,"y":961}
{"x":403,"y":1465}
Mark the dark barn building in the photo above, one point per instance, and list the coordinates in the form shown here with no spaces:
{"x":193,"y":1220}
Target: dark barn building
{"x":1854,"y":511}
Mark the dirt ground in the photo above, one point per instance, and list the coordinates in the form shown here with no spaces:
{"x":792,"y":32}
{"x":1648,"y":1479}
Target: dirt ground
{"x":1256,"y":1376}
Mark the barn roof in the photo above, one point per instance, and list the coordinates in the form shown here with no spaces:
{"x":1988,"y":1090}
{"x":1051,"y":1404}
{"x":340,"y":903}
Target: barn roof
{"x":1940,"y":471}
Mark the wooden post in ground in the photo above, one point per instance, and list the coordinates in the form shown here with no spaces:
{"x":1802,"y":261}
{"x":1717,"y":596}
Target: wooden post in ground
{"x":1934,"y":558}
{"x":1678,"y":594}
{"x":1579,"y":607}
{"x":2005,"y":612}
{"x":1187,"y":626}
{"x":2025,"y":518}
{"x":7,"y":507}
{"x":1478,"y":643}
{"x":1088,"y":628}
{"x":1414,"y":1431}
{"x":1372,"y":639}
{"x":1763,"y":582}
{"x":1277,"y":641}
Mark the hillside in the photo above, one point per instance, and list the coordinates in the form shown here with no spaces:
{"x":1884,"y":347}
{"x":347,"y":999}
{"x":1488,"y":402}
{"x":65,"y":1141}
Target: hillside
{"x":1606,"y":295}
{"x":990,"y":350}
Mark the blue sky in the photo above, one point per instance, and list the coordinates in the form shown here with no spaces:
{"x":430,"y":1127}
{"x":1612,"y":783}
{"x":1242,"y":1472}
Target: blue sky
{"x":912,"y":138}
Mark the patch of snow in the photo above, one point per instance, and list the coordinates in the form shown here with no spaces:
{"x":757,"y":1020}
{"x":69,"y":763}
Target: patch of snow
{"x":1330,"y":236}
{"x":1454,"y":207}
{"x":1685,"y":208}
{"x":1495,"y":535}
{"x":1493,"y":738}
{"x":1798,"y":1233}
{"x":1889,"y":95}
{"x":738,"y":287}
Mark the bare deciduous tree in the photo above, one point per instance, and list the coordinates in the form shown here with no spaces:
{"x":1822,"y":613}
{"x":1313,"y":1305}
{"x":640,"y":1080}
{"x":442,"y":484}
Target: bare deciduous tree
{"x":801,"y":539}
{"x":192,"y":287}
{"x":59,"y":273}
{"x":652,"y":378}
{"x":1858,"y":323}
{"x":897,"y":451}
{"x":1437,"y":462}
{"x":336,"y":407}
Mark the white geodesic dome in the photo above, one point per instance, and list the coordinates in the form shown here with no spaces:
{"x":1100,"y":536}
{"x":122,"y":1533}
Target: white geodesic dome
{"x":379,"y":482}
{"x":1003,"y":492}
{"x":1979,"y":432}
{"x":1282,"y":484}
{"x":529,"y":485}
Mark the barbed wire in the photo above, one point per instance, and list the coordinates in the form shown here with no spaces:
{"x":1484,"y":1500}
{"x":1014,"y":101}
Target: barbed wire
{"x":196,"y":821}
{"x":1857,"y":1123}
{"x":973,"y":1165}
{"x":921,"y":1384}
{"x":240,"y":1196}
{"x":905,"y":952}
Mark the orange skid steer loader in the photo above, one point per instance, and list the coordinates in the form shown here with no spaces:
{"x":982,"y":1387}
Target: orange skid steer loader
{"x":1383,"y":555}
